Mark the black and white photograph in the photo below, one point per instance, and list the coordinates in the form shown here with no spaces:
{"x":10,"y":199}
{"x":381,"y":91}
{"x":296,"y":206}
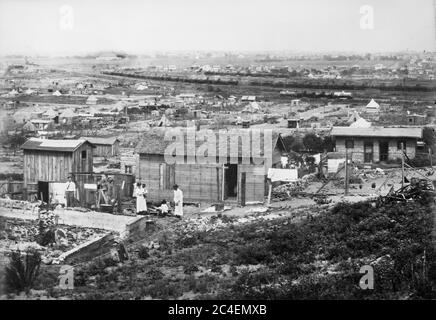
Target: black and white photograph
{"x":217,"y":150}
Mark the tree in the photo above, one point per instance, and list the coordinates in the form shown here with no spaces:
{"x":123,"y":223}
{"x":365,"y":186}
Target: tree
{"x":293,"y":143}
{"x":329,"y":144}
{"x":313,"y":143}
{"x":16,"y":140}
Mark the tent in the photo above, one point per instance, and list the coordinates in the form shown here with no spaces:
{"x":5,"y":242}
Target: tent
{"x":67,"y":113}
{"x":372,"y":105}
{"x":29,"y":91}
{"x":164,"y":122}
{"x":360,"y":123}
{"x":57,"y":93}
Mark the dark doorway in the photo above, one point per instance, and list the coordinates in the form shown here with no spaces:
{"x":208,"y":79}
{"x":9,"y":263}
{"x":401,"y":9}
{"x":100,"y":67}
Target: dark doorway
{"x":384,"y":150}
{"x":368,"y":152}
{"x":231,"y":181}
{"x":43,"y":191}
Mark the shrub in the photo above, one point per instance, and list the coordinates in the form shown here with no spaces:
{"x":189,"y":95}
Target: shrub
{"x":22,"y":271}
{"x":143,"y":253}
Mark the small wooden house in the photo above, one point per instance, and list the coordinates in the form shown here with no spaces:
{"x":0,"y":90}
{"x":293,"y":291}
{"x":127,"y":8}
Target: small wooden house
{"x":104,"y":147}
{"x":239,"y":178}
{"x":48,"y":161}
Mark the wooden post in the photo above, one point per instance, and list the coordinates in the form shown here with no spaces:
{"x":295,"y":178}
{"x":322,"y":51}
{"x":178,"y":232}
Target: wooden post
{"x":243,"y":179}
{"x":431,"y":160}
{"x":346,"y":172}
{"x":218,"y":184}
{"x":223,"y":185}
{"x":119,"y":207}
{"x":269,"y":191}
{"x":402,"y":165}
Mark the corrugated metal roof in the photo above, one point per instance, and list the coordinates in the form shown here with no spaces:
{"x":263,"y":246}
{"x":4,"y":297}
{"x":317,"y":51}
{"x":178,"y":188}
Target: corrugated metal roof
{"x":52,"y":145}
{"x":409,"y":132}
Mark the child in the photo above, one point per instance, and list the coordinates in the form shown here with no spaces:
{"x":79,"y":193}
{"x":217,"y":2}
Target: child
{"x":163,"y":209}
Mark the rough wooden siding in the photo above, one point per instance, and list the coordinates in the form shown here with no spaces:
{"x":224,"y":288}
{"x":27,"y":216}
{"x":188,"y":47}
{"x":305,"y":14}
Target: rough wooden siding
{"x":78,"y":164}
{"x":254,"y":183}
{"x":198,"y":182}
{"x":46,"y":166}
{"x":106,"y":150}
{"x":54,"y":166}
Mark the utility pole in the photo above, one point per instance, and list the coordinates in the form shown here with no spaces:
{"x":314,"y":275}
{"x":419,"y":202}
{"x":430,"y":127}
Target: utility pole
{"x":346,"y":172}
{"x":402,"y":165}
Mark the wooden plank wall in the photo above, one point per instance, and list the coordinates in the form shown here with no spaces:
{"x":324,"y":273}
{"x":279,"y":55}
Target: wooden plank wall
{"x":46,"y":166}
{"x":254,"y":184}
{"x":198,"y":182}
{"x":55,"y":166}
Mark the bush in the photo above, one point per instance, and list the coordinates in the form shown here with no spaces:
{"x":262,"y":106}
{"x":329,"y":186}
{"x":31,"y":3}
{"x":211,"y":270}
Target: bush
{"x":22,"y":271}
{"x":143,"y":253}
{"x":253,"y":254}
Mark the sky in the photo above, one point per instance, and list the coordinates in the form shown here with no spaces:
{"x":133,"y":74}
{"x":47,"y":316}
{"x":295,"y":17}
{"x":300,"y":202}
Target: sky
{"x":57,"y":27}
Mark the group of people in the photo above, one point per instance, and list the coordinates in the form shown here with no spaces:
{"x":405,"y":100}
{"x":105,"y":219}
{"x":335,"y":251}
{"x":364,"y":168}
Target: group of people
{"x":140,"y":193}
{"x":105,"y":190}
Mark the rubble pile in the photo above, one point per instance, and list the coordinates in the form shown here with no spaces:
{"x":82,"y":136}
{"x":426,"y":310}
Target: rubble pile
{"x":286,"y":191}
{"x":19,"y":204}
{"x":20,"y":235}
{"x":415,"y":191}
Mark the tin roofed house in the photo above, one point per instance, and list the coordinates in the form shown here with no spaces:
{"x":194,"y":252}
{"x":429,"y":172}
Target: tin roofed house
{"x":376,"y":144}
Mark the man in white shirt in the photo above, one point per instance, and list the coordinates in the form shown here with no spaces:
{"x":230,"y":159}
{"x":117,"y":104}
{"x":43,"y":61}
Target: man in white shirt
{"x":178,"y":201}
{"x":70,"y":190}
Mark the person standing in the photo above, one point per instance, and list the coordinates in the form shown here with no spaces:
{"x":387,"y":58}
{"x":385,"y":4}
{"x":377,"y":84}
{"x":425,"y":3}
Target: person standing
{"x":70,"y":190}
{"x":178,"y":201}
{"x":144,"y":195}
{"x":141,"y":203}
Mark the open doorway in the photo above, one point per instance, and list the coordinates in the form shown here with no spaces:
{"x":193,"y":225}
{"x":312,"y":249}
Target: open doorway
{"x":43,"y":191}
{"x":384,"y":150}
{"x":368,"y":149}
{"x":231,"y":181}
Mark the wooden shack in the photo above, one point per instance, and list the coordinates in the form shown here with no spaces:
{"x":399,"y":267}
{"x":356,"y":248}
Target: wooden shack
{"x":104,"y":147}
{"x":240,"y":178}
{"x":48,"y":161}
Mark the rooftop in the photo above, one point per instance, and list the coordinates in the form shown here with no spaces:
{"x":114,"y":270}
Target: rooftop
{"x":97,"y":140}
{"x":154,"y":142}
{"x":406,"y":132}
{"x":52,"y":145}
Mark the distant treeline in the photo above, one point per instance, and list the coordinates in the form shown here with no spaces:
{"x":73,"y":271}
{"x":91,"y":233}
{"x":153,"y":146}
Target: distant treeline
{"x":309,"y":84}
{"x":326,"y":84}
{"x":173,"y":78}
{"x":341,"y":85}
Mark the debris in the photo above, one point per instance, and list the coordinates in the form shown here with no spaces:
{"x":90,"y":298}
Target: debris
{"x":414,"y":191}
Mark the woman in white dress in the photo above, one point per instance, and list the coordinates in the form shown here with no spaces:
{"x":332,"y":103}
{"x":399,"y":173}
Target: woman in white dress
{"x":178,"y":201}
{"x":141,"y":202}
